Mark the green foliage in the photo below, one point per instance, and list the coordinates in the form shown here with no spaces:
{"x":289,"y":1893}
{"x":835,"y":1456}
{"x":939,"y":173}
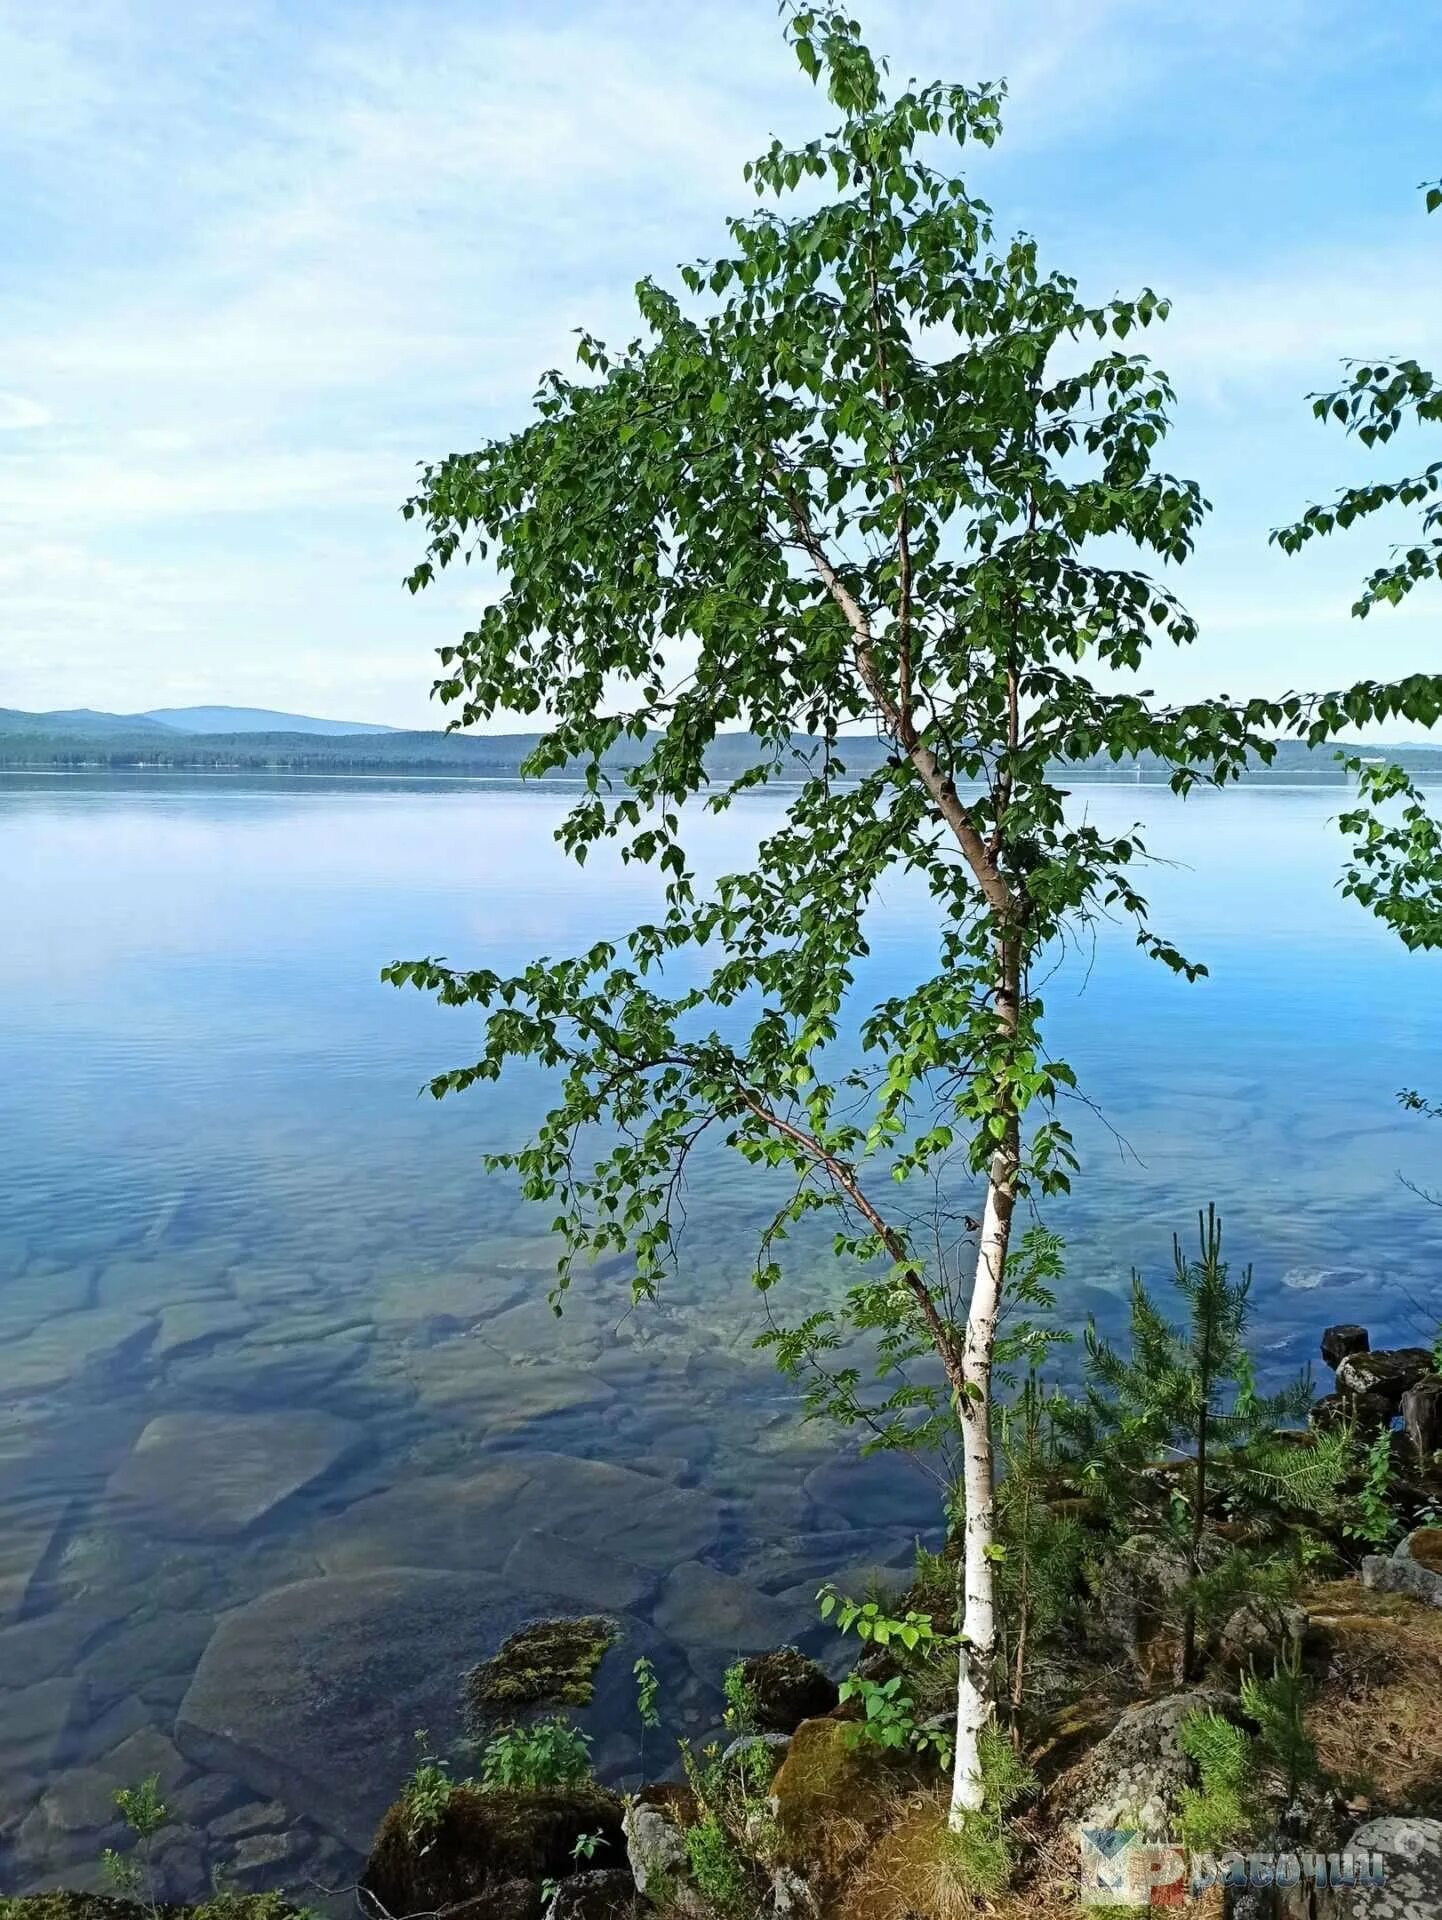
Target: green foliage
{"x":547,"y":1753}
{"x":648,"y":1694}
{"x":870,"y":471}
{"x":1042,"y":1552}
{"x":1221,"y":1809}
{"x":981,"y":1851}
{"x":583,"y":1853}
{"x":861,"y":465}
{"x":1277,"y":1704}
{"x":1372,"y":1516}
{"x":145,"y":1813}
{"x":741,"y":1708}
{"x":1395,"y":868}
{"x":1239,"y":1770}
{"x":719,"y":1869}
{"x":734,"y":1829}
{"x":889,"y":1718}
{"x":871,"y":1622}
{"x":1173,"y":1437}
{"x":426,"y":1795}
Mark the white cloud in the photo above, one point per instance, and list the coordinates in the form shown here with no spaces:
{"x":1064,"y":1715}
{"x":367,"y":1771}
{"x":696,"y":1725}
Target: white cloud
{"x":266,"y":258}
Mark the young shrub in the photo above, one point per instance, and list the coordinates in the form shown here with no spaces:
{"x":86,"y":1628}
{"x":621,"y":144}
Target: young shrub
{"x":1221,"y":1809}
{"x":145,"y":1813}
{"x":426,"y":1795}
{"x":741,"y":1707}
{"x":550,"y":1753}
{"x":979,"y":1855}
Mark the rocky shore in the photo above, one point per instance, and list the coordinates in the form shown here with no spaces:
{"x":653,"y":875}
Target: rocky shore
{"x":833,"y":1826}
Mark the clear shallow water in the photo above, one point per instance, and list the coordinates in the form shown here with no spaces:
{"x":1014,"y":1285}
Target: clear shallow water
{"x":287,"y":1438}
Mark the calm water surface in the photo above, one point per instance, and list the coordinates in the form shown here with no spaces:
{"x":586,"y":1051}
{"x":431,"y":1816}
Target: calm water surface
{"x":287,"y":1436}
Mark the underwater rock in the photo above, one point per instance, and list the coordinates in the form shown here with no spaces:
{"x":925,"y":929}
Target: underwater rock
{"x":309,"y":1694}
{"x":549,"y":1561}
{"x":30,"y":1298}
{"x":472,"y":1521}
{"x":97,"y":1341}
{"x":874,"y":1490}
{"x":199,"y":1323}
{"x":703,"y":1608}
{"x":209,"y":1476}
{"x":39,"y":1726}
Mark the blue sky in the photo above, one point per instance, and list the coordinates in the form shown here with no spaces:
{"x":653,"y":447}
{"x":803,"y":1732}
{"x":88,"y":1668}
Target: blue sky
{"x":258,"y":262}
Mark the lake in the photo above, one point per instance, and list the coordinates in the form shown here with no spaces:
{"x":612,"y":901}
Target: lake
{"x":290,"y":1438}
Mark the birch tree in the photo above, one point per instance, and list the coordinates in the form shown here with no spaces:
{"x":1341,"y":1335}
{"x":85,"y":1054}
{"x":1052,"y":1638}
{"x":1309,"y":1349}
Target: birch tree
{"x":848,"y":483}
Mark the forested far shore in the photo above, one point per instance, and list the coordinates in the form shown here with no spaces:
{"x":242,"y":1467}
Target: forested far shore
{"x":502,"y":756}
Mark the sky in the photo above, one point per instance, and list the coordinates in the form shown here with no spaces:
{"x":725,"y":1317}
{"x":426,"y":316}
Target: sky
{"x":258,"y":263}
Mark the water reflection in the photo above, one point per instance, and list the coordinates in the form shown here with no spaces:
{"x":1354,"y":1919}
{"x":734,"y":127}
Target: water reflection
{"x":289,"y":1435}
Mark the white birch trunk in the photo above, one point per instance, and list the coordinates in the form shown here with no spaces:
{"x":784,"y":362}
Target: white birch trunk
{"x":974,"y":1703}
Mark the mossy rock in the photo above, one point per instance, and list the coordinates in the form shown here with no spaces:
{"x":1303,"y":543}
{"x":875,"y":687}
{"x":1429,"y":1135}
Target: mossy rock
{"x":831,"y":1793}
{"x":550,"y":1663}
{"x":63,"y":1904}
{"x":1425,"y":1547}
{"x":787,"y":1689}
{"x":485,"y":1838}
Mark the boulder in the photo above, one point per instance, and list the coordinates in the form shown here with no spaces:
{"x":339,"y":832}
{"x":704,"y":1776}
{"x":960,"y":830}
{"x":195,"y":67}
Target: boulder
{"x":1421,"y":1411}
{"x":1385,"y":1375}
{"x":608,"y":1893}
{"x":213,"y":1476}
{"x":1134,"y":1777}
{"x":1414,"y":1568}
{"x":655,"y":1824}
{"x":1411,"y":1851}
{"x":788,"y":1688}
{"x":484,"y":1838}
{"x":1339,"y":1342}
{"x":830,"y":1795}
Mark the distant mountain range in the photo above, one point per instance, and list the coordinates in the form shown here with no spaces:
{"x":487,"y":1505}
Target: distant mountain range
{"x":91,"y":722}
{"x":254,"y":740}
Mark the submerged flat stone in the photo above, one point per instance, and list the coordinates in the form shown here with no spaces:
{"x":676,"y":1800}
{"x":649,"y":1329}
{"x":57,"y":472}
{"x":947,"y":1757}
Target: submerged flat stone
{"x":208,"y":1476}
{"x":473,"y":1521}
{"x":75,"y":1344}
{"x":701,"y":1607}
{"x":310,"y":1695}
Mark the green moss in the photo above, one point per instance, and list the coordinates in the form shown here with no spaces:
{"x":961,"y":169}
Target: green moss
{"x":65,"y":1905}
{"x":485,"y":1837}
{"x":550,"y":1663}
